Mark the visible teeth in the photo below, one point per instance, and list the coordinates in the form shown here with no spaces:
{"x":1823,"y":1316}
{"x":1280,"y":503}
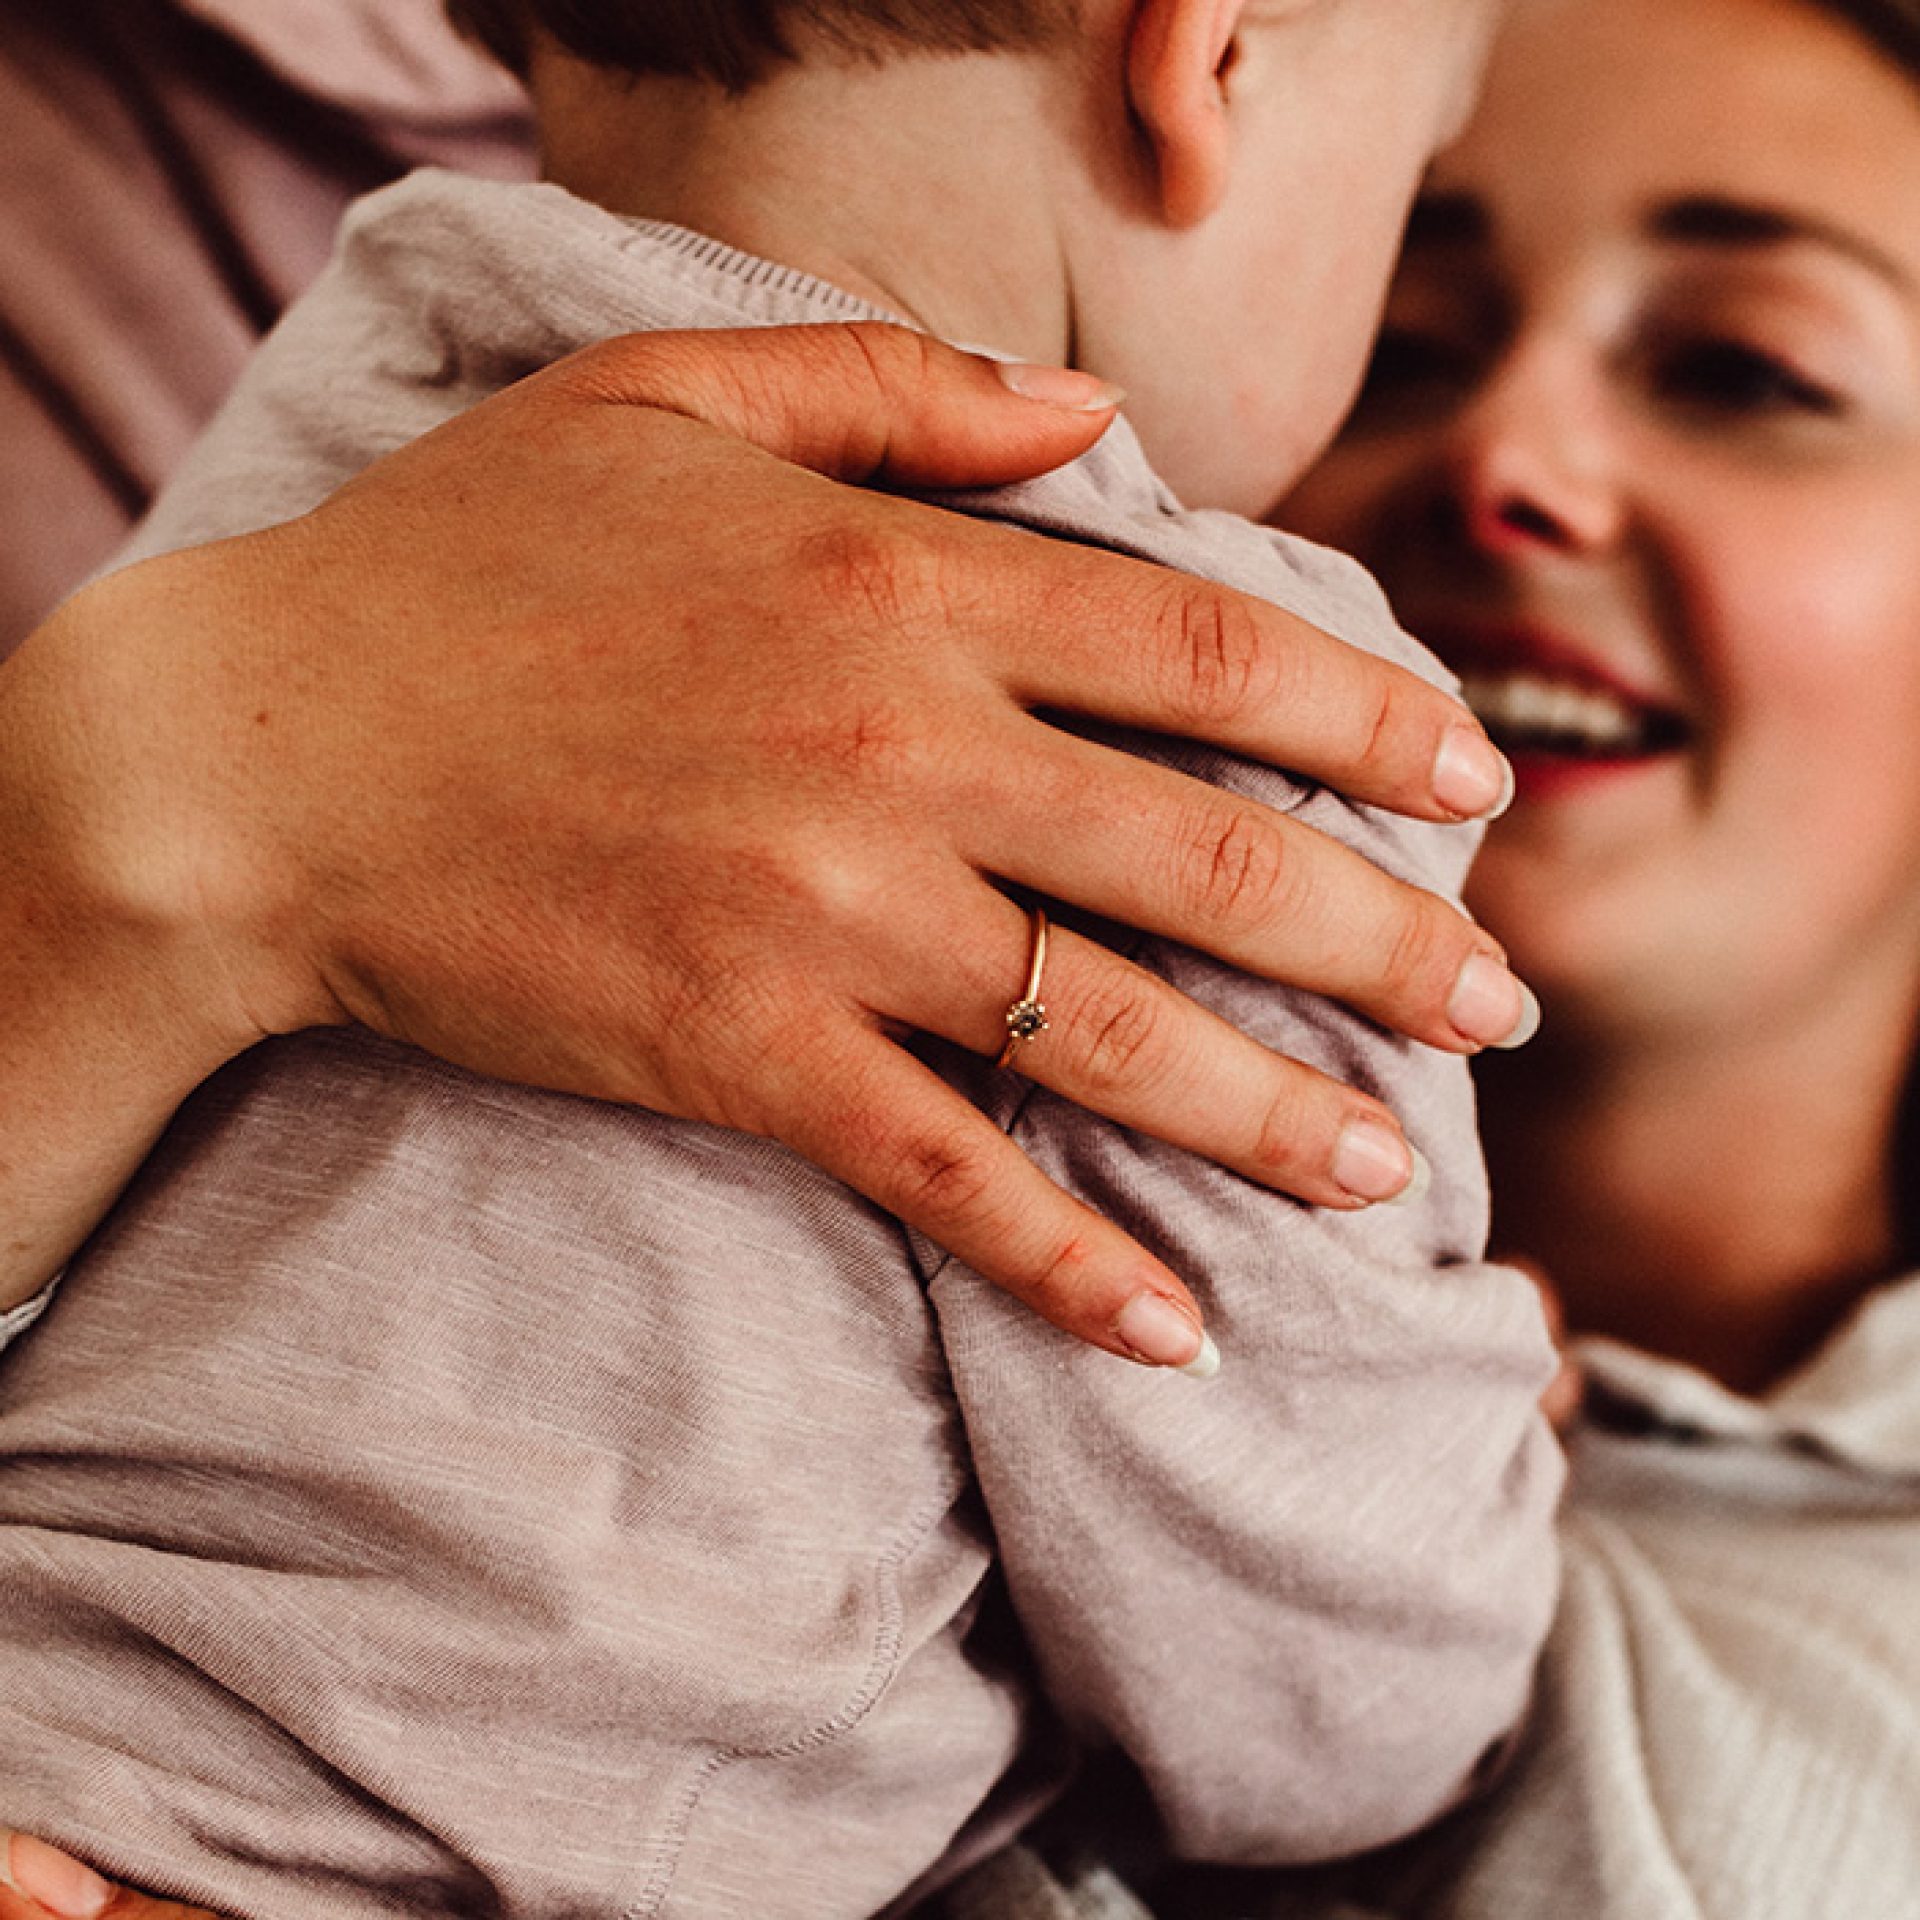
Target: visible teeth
{"x":1531,"y":710}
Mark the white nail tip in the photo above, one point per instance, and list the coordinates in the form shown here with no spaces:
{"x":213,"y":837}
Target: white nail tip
{"x":1509,"y":790}
{"x":1529,"y":1021}
{"x":1419,"y":1186}
{"x":1204,"y":1364}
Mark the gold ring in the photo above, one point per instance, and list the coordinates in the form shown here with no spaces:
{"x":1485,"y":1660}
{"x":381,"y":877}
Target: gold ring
{"x":1027,"y":1018}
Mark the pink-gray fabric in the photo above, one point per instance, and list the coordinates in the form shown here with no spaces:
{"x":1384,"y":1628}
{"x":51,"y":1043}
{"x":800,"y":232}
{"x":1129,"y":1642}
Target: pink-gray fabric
{"x":175,"y":171}
{"x":429,"y":1496}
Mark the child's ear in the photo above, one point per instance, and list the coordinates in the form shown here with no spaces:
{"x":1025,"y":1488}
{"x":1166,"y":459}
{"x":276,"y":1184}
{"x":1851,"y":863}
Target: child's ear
{"x":1177,"y":56}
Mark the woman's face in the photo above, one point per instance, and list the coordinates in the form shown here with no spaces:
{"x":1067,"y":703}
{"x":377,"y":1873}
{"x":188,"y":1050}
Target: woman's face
{"x":1640,"y":457}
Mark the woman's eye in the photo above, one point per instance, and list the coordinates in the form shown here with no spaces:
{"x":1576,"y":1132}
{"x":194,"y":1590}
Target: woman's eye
{"x":1725,"y":376}
{"x":1411,"y":371}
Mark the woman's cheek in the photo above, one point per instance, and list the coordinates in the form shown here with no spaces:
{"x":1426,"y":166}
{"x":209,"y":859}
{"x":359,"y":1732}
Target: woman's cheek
{"x":1810,"y":606}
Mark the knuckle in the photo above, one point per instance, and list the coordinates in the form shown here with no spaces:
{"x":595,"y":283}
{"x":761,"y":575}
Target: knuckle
{"x":892,"y":358}
{"x":1056,"y":1286}
{"x":860,"y":370}
{"x":1216,"y":659}
{"x":1425,"y":952}
{"x":1288,"y":1139}
{"x":1377,"y":723}
{"x":856,"y":376}
{"x":940,"y":1177}
{"x":865,"y":572}
{"x":1113,"y":1034}
{"x":877,"y":747}
{"x":1238,"y":872}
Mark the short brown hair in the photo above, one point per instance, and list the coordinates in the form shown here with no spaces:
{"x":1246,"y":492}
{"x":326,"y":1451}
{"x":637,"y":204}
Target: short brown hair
{"x":736,"y":42}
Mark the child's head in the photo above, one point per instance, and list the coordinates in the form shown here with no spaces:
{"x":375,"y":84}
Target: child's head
{"x":737,"y":43}
{"x":1199,"y":199}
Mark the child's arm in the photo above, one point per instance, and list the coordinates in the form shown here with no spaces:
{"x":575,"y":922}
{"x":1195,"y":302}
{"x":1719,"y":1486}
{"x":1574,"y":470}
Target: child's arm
{"x":1306,"y":1596}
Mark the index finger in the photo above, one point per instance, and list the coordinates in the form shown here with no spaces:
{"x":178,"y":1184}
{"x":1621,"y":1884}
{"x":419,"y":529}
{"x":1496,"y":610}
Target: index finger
{"x":1142,"y":646}
{"x":37,"y":1880}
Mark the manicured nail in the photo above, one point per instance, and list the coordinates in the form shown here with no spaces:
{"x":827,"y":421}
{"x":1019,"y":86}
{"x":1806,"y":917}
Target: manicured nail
{"x":1204,"y":1364}
{"x":1157,"y":1332}
{"x":1529,"y":1021}
{"x":1419,"y":1186}
{"x":1060,"y":386}
{"x":1492,"y":1006}
{"x":1373,"y":1161}
{"x":1471,"y":776}
{"x":53,"y":1880}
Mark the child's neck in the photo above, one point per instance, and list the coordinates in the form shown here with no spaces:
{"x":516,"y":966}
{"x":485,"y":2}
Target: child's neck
{"x":920,"y":184}
{"x":1726,"y":1205}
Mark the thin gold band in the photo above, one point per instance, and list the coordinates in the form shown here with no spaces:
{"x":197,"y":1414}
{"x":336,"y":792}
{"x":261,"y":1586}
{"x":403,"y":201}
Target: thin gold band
{"x":1027,"y":1018}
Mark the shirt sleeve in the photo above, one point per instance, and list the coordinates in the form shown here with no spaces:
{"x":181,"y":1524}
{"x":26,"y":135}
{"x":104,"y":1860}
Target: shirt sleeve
{"x":1305,"y":1597}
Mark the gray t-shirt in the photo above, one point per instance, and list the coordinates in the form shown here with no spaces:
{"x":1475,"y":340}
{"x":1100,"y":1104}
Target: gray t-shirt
{"x":427,"y":1495}
{"x":1728,"y":1723}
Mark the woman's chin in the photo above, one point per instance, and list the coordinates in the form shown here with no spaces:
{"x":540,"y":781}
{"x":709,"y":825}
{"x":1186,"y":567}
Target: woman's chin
{"x":1589,"y":948}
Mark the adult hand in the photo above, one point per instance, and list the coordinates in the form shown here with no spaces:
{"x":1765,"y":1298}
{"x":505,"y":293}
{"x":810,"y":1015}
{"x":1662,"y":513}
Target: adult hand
{"x":37,"y":1881}
{"x":588,"y":745}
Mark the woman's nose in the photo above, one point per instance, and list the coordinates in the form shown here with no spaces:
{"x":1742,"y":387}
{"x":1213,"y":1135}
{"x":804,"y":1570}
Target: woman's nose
{"x":1531,"y":465}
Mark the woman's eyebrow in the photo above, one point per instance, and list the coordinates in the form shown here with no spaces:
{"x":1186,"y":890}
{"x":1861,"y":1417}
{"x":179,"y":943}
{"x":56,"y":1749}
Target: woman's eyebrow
{"x":1707,"y":220}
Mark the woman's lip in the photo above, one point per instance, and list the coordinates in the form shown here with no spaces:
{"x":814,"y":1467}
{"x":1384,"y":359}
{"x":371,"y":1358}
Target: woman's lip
{"x":1470,"y":647}
{"x":1546,"y":701}
{"x":1540,"y":777}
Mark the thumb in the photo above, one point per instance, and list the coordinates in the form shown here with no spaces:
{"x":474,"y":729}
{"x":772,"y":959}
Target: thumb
{"x":862,"y":402}
{"x":53,"y":1881}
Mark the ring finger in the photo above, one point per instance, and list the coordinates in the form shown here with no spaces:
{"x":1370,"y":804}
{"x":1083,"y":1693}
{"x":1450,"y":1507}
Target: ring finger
{"x":1122,"y":1042}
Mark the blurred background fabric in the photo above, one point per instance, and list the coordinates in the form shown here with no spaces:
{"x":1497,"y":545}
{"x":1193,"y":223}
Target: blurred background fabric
{"x":174,"y":172}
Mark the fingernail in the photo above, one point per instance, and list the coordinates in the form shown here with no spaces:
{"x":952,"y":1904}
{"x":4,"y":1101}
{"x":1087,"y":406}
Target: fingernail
{"x":1060,"y":386}
{"x":1419,"y":1186}
{"x":1372,"y":1160}
{"x":54,"y":1880}
{"x":1471,"y":776}
{"x":1161,"y":1334}
{"x":1204,"y":1364}
{"x":1492,"y":1006}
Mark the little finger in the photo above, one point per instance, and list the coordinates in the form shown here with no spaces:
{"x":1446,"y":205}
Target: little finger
{"x":890,"y":1127}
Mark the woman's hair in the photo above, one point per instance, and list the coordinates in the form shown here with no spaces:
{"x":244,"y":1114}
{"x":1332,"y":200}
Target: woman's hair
{"x":1893,"y":26}
{"x":736,"y":42}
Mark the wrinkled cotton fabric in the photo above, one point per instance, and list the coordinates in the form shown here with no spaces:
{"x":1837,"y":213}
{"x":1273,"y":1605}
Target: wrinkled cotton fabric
{"x":432,"y":1496}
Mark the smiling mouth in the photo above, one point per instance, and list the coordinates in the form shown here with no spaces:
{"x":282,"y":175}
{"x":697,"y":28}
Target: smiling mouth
{"x":1527,"y":711}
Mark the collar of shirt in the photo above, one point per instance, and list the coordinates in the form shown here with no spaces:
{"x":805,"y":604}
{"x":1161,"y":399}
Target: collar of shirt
{"x":1857,"y":1400}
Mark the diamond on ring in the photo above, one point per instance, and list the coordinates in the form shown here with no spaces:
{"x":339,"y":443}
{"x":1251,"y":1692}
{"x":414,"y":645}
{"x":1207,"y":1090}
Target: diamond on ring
{"x":1027,"y":1018}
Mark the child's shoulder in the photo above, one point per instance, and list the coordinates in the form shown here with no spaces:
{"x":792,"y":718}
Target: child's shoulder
{"x":1112,"y":497}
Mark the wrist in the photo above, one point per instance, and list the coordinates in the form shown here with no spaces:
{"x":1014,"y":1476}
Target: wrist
{"x":122,"y":989}
{"x":132,"y":836}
